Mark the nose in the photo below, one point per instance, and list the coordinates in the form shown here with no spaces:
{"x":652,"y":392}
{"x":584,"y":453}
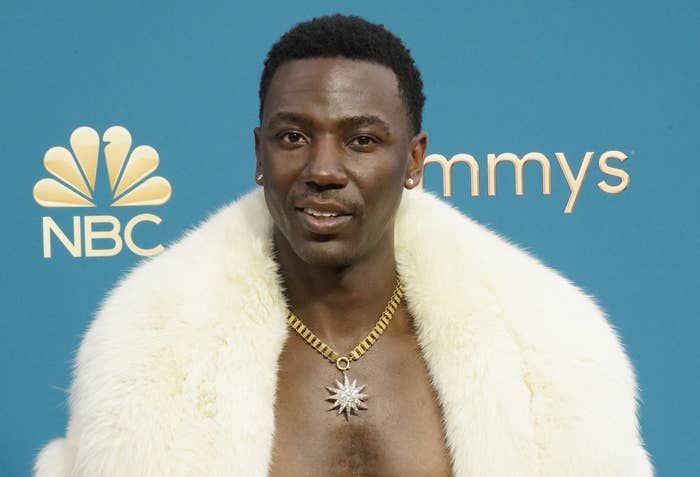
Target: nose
{"x":325,"y":168}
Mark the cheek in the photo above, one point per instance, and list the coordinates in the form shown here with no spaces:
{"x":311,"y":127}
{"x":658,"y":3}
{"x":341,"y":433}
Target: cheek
{"x":276,"y":189}
{"x":381,"y":189}
{"x":280,"y":174}
{"x":381,"y":176}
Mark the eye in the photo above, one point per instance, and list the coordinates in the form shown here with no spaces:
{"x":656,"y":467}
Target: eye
{"x":363,"y":141}
{"x":292,"y":138}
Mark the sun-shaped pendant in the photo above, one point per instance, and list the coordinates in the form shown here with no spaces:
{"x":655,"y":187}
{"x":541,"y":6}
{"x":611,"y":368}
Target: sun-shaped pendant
{"x":347,"y":396}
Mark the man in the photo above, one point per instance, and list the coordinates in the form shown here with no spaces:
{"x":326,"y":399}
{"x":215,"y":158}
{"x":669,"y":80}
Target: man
{"x":439,"y":348}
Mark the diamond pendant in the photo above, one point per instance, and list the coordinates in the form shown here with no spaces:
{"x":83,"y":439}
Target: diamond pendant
{"x":347,"y":396}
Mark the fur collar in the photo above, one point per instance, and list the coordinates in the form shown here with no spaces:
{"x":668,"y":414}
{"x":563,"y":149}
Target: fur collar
{"x":172,"y":377}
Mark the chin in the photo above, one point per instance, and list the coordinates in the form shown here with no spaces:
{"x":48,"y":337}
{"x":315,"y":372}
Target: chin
{"x":326,"y":254}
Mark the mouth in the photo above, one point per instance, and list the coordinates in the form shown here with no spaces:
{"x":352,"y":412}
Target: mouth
{"x":323,"y":222}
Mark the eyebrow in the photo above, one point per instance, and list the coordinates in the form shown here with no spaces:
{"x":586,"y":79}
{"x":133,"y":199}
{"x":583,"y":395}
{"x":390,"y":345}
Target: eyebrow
{"x":358,"y":120}
{"x":284,"y":116}
{"x":367,"y":120}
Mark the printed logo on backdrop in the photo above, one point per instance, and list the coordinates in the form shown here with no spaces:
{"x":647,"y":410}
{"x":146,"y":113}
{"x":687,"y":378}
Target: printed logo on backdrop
{"x":573,"y":180}
{"x":75,"y":184}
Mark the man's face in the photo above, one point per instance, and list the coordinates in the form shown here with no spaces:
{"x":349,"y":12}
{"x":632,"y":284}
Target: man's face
{"x":335,"y":148}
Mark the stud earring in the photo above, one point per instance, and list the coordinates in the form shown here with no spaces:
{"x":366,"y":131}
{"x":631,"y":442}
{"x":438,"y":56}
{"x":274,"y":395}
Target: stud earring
{"x":259,"y":177}
{"x":409,"y":182}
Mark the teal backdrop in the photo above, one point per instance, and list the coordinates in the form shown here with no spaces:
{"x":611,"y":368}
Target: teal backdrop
{"x":516,"y":76}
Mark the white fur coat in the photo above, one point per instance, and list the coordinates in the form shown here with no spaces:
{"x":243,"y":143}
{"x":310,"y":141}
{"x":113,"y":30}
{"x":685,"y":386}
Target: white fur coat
{"x":177,"y":374}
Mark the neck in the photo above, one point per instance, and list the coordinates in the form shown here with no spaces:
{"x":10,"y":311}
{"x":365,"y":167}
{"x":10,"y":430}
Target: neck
{"x":338,"y":303}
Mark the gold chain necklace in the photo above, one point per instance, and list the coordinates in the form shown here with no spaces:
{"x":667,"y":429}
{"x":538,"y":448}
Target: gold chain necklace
{"x":348,"y":396}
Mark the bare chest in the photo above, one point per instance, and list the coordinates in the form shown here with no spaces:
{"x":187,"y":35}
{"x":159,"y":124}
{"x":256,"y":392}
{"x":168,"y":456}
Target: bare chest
{"x":399,"y":434}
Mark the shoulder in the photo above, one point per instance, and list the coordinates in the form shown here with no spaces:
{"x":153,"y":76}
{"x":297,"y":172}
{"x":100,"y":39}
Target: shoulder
{"x":156,"y":336}
{"x":550,"y":317}
{"x":582,"y":384}
{"x":533,"y":296}
{"x":187,"y":287}
{"x":192,"y":269}
{"x":166,"y":310}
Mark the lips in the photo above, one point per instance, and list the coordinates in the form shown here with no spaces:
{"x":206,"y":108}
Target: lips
{"x":320,"y":213}
{"x":322,"y":220}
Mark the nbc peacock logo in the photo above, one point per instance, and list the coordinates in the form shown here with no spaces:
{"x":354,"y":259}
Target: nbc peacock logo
{"x":74,"y":184}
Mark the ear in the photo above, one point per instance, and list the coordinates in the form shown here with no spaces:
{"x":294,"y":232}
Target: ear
{"x":417,"y":149}
{"x":258,"y":157}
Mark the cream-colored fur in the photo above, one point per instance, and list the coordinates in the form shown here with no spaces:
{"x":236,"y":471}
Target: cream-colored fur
{"x":177,"y":374}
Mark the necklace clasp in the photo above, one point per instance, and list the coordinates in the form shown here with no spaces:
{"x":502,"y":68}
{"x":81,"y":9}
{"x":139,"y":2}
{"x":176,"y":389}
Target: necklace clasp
{"x":345,"y":363}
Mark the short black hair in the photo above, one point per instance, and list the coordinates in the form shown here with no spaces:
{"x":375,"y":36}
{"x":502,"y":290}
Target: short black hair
{"x":354,"y":38}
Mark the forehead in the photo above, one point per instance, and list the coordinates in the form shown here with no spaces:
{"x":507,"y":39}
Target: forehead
{"x":331,"y":89}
